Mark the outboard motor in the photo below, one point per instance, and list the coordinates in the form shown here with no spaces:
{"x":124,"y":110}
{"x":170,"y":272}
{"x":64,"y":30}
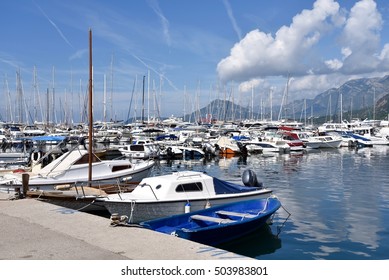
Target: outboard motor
{"x":169,"y":153}
{"x":242,"y":147}
{"x":81,"y":141}
{"x":249,"y":179}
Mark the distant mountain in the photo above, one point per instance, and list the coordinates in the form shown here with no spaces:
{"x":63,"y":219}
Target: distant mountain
{"x":352,"y":96}
{"x":355,"y":97}
{"x":220,"y":110}
{"x":382,"y":107}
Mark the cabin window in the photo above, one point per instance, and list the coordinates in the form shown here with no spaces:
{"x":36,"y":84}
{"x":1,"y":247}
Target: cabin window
{"x":137,"y":148}
{"x":121,"y":167}
{"x":190,"y":187}
{"x":85,"y":159}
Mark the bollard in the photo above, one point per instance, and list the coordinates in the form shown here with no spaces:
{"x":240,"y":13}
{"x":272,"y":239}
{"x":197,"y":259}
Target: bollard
{"x":25,"y":179}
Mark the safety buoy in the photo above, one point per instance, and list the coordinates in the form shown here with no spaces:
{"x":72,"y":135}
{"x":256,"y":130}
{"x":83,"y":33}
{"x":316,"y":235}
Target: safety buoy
{"x":36,"y":156}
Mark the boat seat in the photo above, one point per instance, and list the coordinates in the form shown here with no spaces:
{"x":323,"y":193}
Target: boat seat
{"x":211,"y":219}
{"x":236,"y":214}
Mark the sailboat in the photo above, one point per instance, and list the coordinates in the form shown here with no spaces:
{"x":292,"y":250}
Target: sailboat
{"x":79,"y":165}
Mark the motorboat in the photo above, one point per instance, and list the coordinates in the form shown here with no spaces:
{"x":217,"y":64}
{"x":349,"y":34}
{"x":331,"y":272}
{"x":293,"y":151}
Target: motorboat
{"x":228,"y":146}
{"x":293,"y":140}
{"x":326,"y":141}
{"x":218,"y":224}
{"x":175,"y":193}
{"x":73,"y":166}
{"x":371,"y":134}
{"x":139,"y":151}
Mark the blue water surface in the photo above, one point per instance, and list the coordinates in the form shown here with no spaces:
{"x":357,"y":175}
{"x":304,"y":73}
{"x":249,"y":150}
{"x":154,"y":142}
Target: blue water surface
{"x":338,"y":200}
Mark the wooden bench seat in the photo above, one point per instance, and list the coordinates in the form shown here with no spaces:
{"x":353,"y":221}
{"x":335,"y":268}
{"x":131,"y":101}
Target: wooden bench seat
{"x":211,"y":219}
{"x":236,"y":214}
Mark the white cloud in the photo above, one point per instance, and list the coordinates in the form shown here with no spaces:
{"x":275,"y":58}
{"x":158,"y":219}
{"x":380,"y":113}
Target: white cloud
{"x":361,"y":37}
{"x":54,"y":25}
{"x":232,"y":19}
{"x":249,"y":85}
{"x":293,"y":49}
{"x":164,"y":21}
{"x":334,"y":64}
{"x":346,"y":52}
{"x":259,"y":54}
{"x":384,"y":55}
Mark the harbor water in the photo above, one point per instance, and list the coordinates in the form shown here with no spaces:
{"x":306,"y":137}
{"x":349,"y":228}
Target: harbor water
{"x":338,"y":200}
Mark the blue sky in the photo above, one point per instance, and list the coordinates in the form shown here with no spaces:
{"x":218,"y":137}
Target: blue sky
{"x":190,"y":52}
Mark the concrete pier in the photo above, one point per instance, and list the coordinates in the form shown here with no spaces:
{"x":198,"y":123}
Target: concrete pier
{"x":35,"y":230}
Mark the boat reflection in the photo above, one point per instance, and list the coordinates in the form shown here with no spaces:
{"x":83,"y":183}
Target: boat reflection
{"x":260,"y":242}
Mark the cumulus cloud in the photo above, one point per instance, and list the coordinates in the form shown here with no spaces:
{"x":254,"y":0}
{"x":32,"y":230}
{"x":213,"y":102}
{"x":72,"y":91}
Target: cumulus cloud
{"x":361,"y":37}
{"x":249,"y":85}
{"x":259,"y":54}
{"x":294,"y":49}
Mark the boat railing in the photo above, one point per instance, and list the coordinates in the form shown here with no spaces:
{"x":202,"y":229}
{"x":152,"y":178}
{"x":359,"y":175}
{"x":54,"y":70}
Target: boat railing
{"x":103,"y":186}
{"x":151,"y":188}
{"x":185,"y":175}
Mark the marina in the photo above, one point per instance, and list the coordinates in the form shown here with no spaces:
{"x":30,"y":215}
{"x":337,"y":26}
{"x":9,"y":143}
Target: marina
{"x":248,"y":141}
{"x":336,"y":197}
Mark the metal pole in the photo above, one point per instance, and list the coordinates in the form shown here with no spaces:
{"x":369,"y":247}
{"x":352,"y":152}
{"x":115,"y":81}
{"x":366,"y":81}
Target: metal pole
{"x":90,"y":108}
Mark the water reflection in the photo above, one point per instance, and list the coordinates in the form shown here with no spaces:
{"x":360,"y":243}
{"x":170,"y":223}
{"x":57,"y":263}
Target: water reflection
{"x":261,"y":242}
{"x":338,"y":199}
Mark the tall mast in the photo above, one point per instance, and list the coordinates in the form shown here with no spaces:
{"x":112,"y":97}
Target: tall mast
{"x":90,"y":109}
{"x":111,"y":97}
{"x":105,"y":100}
{"x":143,"y":101}
{"x":53,"y":98}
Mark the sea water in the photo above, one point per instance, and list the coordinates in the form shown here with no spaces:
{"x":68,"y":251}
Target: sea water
{"x":338,"y":200}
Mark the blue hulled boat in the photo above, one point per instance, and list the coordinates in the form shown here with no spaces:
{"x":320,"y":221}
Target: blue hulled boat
{"x":218,"y":224}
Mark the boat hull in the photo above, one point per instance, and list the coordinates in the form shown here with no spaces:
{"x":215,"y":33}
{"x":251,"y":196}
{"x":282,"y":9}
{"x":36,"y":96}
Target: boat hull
{"x":221,"y":227}
{"x":139,"y":211}
{"x":79,"y":173}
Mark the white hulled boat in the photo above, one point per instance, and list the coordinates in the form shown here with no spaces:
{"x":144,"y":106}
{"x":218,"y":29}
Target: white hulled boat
{"x":175,"y":193}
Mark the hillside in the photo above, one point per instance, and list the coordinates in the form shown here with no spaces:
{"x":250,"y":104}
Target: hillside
{"x":358,"y":97}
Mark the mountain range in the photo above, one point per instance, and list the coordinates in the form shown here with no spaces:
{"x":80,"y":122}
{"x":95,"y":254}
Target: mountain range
{"x":360,"y":98}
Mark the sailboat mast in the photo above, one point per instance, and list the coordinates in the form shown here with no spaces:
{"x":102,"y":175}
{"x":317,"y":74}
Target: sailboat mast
{"x":90,"y":109}
{"x":143,"y":101}
{"x":105,"y":100}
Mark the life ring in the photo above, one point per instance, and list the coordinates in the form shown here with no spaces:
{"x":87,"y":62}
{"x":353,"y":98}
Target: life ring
{"x":36,"y":156}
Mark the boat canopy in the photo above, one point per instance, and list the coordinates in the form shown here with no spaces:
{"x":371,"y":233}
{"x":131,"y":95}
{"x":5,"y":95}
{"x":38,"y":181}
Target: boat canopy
{"x":223,"y":187}
{"x":48,"y":138}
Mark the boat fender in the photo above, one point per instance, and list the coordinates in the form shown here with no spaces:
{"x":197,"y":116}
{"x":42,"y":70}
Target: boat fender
{"x":207,"y":205}
{"x":52,"y":157}
{"x":249,"y":179}
{"x":20,"y":170}
{"x":187,"y":207}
